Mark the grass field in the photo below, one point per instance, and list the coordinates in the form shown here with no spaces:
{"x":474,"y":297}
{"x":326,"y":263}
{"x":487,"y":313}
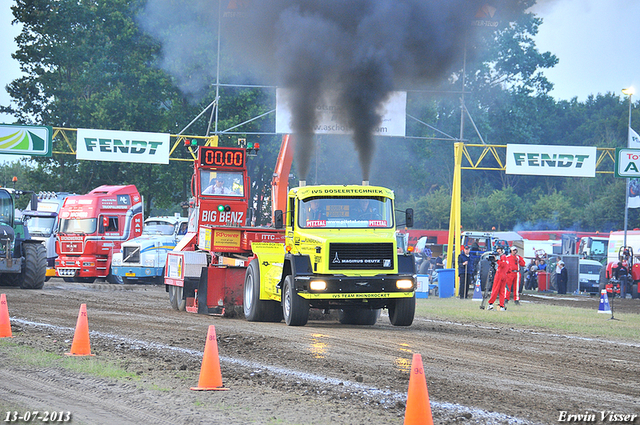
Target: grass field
{"x":577,"y":321}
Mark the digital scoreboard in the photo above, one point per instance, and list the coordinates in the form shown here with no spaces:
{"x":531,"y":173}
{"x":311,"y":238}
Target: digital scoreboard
{"x":222,"y":157}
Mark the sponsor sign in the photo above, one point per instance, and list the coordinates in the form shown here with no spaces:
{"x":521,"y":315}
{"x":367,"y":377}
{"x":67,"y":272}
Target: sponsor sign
{"x":204,"y":238}
{"x":226,"y":238}
{"x":26,"y":140}
{"x":627,"y":162}
{"x":123,"y":146}
{"x":174,"y":266}
{"x":331,"y":117}
{"x":545,"y":160}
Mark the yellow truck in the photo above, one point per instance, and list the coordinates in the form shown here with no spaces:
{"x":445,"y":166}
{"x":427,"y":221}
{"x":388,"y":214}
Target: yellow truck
{"x":339,"y":253}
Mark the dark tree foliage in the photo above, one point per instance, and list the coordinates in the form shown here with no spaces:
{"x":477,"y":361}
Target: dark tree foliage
{"x":99,"y":64}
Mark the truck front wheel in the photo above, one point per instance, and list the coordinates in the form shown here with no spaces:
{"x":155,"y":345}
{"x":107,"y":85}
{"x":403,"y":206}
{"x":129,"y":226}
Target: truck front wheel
{"x":255,"y":309}
{"x":176,"y":298}
{"x":295,"y":309}
{"x":401,"y":311}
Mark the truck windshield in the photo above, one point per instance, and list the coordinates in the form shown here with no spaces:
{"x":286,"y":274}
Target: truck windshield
{"x":6,"y":208}
{"x":374,"y":212}
{"x":158,"y":229}
{"x":76,"y":225}
{"x":40,"y":226}
{"x":225,"y":183}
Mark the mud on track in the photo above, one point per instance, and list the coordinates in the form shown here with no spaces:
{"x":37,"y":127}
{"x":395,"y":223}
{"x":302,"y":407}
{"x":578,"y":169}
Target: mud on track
{"x":323,"y":373}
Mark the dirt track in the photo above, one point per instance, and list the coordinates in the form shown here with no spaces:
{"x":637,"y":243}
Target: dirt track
{"x":323,"y":373}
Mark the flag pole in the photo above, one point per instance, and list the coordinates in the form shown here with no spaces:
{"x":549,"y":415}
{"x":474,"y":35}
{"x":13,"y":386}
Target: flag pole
{"x":629,"y":91}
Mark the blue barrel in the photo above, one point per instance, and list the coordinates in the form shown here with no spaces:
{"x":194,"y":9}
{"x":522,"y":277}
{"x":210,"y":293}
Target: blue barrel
{"x":446,"y":282}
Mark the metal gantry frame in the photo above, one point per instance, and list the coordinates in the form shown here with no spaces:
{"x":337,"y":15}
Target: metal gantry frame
{"x":483,"y":157}
{"x":66,"y":135}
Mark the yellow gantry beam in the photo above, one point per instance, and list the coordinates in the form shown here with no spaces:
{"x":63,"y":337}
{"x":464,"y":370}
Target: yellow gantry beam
{"x":493,"y":158}
{"x":68,"y":136}
{"x":490,"y":158}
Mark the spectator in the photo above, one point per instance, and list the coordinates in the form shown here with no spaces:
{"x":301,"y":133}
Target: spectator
{"x":532,"y":277}
{"x":561,"y":278}
{"x":465,"y":272}
{"x":439,"y":262}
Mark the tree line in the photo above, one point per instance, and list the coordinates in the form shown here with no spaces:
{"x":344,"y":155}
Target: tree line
{"x":92,"y":65}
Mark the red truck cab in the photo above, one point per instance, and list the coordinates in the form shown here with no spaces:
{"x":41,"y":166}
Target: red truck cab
{"x":92,"y":228}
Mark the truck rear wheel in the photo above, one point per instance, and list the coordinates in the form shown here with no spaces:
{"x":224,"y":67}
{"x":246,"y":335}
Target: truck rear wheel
{"x":353,"y":316}
{"x":401,"y":311}
{"x":295,"y":309}
{"x":35,"y":266}
{"x":176,"y":298}
{"x":255,"y":309}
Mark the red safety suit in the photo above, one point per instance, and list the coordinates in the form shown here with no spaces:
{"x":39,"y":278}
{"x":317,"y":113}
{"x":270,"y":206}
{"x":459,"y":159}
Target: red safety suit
{"x":514,"y":262}
{"x":499,"y":281}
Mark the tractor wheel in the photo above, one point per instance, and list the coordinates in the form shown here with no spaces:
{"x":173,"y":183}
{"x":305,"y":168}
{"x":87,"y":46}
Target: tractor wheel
{"x":9,"y":279}
{"x":35,"y":266}
{"x":402,"y":311}
{"x":178,"y":302}
{"x":295,"y":309}
{"x":356,"y":316}
{"x":255,"y":309}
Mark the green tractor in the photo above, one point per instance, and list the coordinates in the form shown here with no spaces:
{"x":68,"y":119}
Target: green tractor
{"x":23,"y":261}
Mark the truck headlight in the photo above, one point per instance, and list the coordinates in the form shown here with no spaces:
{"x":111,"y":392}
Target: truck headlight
{"x":149,"y":262}
{"x":317,"y":285}
{"x":406,"y":284}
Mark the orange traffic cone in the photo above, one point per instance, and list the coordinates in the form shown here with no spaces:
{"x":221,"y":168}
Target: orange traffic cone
{"x":210,"y":375}
{"x":418,"y":411}
{"x":80,"y":345}
{"x":5,"y":323}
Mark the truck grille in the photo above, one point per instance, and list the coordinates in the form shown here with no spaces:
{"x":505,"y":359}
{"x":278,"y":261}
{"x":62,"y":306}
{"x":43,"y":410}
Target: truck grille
{"x":71,"y":247}
{"x":131,"y":254}
{"x":361,"y":256}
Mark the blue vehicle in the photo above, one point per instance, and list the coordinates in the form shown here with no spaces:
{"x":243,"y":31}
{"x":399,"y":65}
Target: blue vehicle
{"x":142,"y":259}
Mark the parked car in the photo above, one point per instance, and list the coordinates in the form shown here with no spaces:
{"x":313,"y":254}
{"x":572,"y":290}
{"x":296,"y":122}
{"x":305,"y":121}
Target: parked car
{"x":589,"y":276}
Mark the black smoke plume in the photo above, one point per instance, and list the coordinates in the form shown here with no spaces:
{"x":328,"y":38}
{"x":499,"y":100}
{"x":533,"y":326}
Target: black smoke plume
{"x":363,"y":49}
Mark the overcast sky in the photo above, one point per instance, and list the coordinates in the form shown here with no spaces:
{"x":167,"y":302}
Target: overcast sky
{"x":596,"y":41}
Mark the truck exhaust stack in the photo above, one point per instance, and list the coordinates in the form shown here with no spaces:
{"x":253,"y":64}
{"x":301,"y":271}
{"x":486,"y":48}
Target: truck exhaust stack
{"x":365,"y":182}
{"x":303,"y":183}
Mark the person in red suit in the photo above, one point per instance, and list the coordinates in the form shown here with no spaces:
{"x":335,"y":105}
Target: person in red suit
{"x":499,"y":281}
{"x":514,"y":262}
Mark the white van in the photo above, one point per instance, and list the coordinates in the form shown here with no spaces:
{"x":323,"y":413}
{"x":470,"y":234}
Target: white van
{"x":589,"y":276}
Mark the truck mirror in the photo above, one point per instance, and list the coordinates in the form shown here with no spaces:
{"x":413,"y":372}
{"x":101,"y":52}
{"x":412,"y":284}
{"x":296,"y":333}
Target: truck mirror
{"x":249,"y":216}
{"x":34,"y":202}
{"x":408,"y":217}
{"x":278,"y":220}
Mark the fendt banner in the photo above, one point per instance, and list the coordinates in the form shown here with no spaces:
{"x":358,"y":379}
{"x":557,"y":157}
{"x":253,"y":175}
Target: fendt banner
{"x":123,"y":146}
{"x":26,"y":140}
{"x":330,"y":118}
{"x":545,"y":160}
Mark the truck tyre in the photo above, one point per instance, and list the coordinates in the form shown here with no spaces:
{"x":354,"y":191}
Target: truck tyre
{"x":295,"y":309}
{"x":634,"y":291}
{"x":175,"y":297}
{"x":35,"y":266}
{"x":113,"y":279}
{"x":402,"y":310}
{"x":353,"y":316}
{"x":255,"y":309}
